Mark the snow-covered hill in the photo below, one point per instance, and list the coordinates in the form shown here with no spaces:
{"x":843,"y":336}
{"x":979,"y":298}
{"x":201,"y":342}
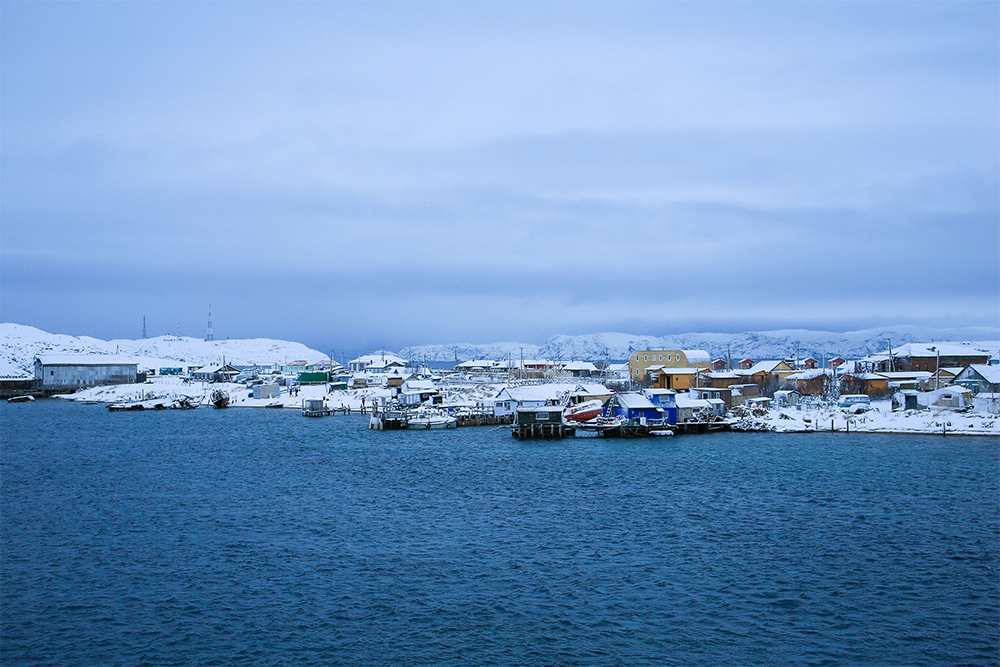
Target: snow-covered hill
{"x":19,"y":344}
{"x":754,"y":344}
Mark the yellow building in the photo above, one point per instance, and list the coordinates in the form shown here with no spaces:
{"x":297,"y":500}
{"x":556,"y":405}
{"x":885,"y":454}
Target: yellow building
{"x":640,"y":362}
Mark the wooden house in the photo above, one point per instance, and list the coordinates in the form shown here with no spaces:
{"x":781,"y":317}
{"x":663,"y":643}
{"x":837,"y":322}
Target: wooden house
{"x":871,"y":384}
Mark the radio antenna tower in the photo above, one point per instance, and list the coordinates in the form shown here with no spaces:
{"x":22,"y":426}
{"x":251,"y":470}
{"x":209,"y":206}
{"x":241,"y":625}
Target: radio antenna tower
{"x":210,"y":335}
{"x":143,"y":327}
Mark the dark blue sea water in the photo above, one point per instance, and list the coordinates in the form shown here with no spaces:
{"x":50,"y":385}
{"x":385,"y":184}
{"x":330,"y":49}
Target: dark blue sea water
{"x":259,"y":537}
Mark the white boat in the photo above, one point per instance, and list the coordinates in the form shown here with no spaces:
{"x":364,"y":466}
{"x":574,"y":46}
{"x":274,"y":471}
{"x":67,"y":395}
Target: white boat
{"x":21,"y":399}
{"x":427,"y":420}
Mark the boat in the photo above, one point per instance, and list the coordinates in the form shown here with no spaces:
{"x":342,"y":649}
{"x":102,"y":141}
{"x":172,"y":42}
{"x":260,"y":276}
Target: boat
{"x":582,"y":412}
{"x":220,"y":399}
{"x":21,"y":399}
{"x":431,"y":419}
{"x":180,"y":402}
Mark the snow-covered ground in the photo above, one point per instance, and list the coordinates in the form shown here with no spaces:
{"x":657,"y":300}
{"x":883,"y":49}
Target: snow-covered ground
{"x":879,"y":419}
{"x":241,"y":396}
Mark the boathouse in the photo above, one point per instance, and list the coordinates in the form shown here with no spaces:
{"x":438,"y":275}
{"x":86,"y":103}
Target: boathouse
{"x":540,"y":423}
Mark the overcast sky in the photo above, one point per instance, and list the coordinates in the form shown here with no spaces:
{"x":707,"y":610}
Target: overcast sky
{"x":354,"y":176}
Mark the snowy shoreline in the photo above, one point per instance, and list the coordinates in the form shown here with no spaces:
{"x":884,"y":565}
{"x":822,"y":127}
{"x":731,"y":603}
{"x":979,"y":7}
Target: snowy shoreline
{"x":824,"y":418}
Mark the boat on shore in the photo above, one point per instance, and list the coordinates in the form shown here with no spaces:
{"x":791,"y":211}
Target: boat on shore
{"x":220,"y":399}
{"x":163,"y":403}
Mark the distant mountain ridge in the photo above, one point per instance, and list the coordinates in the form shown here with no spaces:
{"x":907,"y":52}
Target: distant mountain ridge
{"x":756,"y":345}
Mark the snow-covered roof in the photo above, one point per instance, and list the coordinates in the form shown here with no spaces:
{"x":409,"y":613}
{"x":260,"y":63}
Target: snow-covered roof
{"x":419,"y":386}
{"x":912,"y":375}
{"x":675,"y":371}
{"x":766,"y":366}
{"x":989,"y":373}
{"x":535,"y":392}
{"x":809,"y":374}
{"x":477,"y":363}
{"x":580,"y":366}
{"x":930,"y":350}
{"x":84,"y":360}
{"x":634,"y":401}
{"x":686,"y":400}
{"x":697,"y":357}
{"x":591,"y":390}
{"x":379,"y":360}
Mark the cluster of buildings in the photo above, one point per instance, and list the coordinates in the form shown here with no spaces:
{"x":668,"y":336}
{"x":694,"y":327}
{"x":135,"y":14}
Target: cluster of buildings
{"x":649,"y":380}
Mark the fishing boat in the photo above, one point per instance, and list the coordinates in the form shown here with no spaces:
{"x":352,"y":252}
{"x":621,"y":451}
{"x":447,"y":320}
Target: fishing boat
{"x":582,"y":412}
{"x":220,"y":399}
{"x":21,"y":399}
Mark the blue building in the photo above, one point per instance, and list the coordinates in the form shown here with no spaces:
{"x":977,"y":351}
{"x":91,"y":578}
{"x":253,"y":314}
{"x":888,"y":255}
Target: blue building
{"x":636,"y":406}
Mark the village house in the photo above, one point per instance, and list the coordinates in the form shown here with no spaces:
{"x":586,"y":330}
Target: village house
{"x":809,"y":363}
{"x":375,"y":363}
{"x":768,"y":374}
{"x":835,"y":363}
{"x":871,"y":384}
{"x":639,"y":363}
{"x":743,"y":392}
{"x":509,"y":399}
{"x":673,"y":378}
{"x":927,"y":357}
{"x":724,"y":394}
{"x":942,"y":377}
{"x":216,"y":373}
{"x":415,"y":392}
{"x":476,"y":366}
{"x":720,"y":365}
{"x":665,"y":399}
{"x":719,"y":379}
{"x":691,"y":409}
{"x":812,"y":382}
{"x":980,"y":378}
{"x":581,"y":368}
{"x":746,"y":364}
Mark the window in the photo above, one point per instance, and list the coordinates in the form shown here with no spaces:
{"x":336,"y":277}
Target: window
{"x":645,"y":357}
{"x":661,"y":357}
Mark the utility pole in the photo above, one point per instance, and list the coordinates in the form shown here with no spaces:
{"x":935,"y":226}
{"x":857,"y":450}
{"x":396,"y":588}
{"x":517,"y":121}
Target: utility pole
{"x":144,"y":327}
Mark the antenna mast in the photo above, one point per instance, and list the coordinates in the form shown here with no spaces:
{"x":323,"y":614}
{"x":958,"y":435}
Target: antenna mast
{"x":210,"y":335}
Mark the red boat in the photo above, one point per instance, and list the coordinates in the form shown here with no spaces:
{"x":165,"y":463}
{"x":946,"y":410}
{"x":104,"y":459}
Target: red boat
{"x":581,"y":412}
